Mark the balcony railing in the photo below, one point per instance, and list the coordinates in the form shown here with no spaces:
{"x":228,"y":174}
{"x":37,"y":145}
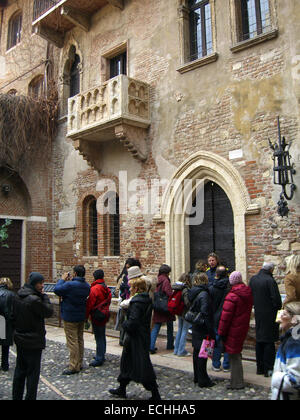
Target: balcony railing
{"x":117,"y":109}
{"x":41,"y":6}
{"x":118,"y":99}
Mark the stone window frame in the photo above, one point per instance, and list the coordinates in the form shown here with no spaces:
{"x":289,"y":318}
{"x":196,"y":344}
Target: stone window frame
{"x":36,"y":87}
{"x":64,"y":77}
{"x":184,"y":38}
{"x":106,"y":56}
{"x":15,"y":25}
{"x":108,"y":221}
{"x":88,"y":228}
{"x":237,"y":44}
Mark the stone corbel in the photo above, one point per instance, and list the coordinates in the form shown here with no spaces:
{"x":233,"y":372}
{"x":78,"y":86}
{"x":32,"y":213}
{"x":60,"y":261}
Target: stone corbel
{"x":133,"y":139}
{"x":48,"y":34}
{"x":117,"y":3}
{"x":89,"y":153}
{"x":75,"y":17}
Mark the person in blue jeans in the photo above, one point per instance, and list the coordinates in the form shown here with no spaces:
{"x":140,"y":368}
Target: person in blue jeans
{"x":183,"y":284}
{"x":99,"y":293}
{"x":218,"y":291}
{"x":164,"y":285}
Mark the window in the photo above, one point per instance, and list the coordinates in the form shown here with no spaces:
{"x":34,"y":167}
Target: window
{"x":90,"y":226}
{"x":197,"y":34}
{"x":75,"y":77}
{"x":14,"y":30}
{"x":12,"y":92}
{"x":114,"y":62}
{"x":255,"y":19}
{"x":253,"y":22}
{"x":93,"y":228}
{"x":36,"y":87}
{"x":71,"y":77}
{"x":112,"y":226}
{"x":118,"y":65}
{"x":201,"y":43}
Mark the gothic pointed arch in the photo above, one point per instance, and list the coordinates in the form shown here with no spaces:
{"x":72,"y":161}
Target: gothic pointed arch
{"x":200,"y":168}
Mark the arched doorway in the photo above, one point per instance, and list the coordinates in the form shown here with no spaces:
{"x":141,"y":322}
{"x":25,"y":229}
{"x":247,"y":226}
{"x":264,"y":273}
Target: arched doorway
{"x":205,"y":167}
{"x":15,"y":204}
{"x":216,"y":232}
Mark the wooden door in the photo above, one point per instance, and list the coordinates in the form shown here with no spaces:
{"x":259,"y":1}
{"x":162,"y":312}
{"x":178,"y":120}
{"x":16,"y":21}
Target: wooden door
{"x":216,"y":233}
{"x":10,"y":258}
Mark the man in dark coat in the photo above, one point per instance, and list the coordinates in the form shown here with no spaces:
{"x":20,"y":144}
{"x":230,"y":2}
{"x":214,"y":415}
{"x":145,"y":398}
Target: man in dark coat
{"x":6,"y":310}
{"x":31,"y":308}
{"x":74,"y":292}
{"x":267,"y":302}
{"x":135,"y":361}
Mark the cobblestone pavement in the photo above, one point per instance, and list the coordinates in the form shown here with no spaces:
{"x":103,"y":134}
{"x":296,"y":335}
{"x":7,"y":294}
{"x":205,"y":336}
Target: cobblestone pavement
{"x":93,"y":383}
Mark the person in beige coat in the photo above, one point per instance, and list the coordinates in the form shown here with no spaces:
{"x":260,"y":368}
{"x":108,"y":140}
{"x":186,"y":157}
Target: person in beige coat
{"x":292,"y":279}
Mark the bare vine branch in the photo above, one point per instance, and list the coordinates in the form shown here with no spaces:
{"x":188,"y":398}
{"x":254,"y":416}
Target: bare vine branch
{"x":27,"y":127}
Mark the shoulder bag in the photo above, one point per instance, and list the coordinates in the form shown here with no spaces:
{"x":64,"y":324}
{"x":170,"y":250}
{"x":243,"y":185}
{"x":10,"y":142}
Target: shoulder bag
{"x":160,"y":303}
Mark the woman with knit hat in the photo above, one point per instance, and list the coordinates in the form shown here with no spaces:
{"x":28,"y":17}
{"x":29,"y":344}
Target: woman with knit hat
{"x":234,"y":325}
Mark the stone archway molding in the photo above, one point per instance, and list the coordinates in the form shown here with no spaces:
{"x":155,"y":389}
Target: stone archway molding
{"x":204,"y":166}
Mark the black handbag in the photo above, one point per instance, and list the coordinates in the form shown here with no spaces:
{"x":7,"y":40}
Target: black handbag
{"x":193,"y":317}
{"x":160,"y":302}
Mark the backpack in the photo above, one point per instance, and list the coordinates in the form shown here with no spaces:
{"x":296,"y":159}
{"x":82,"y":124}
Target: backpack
{"x":101,"y":312}
{"x":175,"y":303}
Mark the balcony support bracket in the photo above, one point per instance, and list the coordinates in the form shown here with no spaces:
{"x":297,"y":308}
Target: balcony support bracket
{"x":117,"y":3}
{"x":134,"y":140}
{"x":55,"y":37}
{"x":77,"y":18}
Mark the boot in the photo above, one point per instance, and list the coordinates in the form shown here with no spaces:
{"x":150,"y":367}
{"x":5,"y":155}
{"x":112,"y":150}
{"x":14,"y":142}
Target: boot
{"x":155,"y":395}
{"x":118,"y":392}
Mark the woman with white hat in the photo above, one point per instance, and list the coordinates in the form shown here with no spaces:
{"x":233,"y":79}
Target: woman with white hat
{"x":286,"y":374}
{"x":135,"y":361}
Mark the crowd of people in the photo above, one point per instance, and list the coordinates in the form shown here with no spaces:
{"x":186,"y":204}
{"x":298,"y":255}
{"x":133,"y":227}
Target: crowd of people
{"x":211,"y":303}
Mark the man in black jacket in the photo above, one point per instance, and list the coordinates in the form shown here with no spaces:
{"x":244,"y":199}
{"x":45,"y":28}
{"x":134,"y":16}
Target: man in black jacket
{"x":267,"y":302}
{"x":32,"y":306}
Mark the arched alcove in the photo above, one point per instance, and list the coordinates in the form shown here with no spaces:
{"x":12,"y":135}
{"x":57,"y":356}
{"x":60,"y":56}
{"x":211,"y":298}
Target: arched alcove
{"x":200,"y":168}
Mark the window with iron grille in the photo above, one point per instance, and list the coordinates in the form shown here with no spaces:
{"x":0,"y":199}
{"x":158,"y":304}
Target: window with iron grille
{"x":93,"y":229}
{"x":112,"y":226}
{"x":255,"y":18}
{"x":14,"y":30}
{"x":201,"y":39}
{"x":90,"y":226}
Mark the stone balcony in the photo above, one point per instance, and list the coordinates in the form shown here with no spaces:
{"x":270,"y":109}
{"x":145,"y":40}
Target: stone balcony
{"x":52,"y":19}
{"x":117,"y":109}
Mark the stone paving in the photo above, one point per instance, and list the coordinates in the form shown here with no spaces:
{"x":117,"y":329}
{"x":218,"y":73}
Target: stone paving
{"x":93,"y":383}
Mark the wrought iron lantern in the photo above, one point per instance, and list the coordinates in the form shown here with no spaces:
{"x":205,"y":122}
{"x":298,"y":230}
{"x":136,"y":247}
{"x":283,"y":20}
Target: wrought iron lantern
{"x":283,"y":171}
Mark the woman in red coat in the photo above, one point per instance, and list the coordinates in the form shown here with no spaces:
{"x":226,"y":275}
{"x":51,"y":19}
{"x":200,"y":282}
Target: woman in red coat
{"x":234,"y":325}
{"x":99,"y":293}
{"x":164,"y":285}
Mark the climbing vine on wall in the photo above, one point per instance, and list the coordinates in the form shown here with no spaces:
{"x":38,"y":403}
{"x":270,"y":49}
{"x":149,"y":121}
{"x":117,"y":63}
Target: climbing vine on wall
{"x":27,"y":127}
{"x":4,"y":233}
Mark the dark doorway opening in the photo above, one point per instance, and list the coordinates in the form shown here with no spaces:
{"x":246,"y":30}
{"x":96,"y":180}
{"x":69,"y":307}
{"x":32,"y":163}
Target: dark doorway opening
{"x":11,"y":257}
{"x":216,"y":232}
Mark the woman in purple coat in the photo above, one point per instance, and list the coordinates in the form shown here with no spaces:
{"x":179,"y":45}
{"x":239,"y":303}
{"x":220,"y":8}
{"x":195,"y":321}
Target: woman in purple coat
{"x":164,"y":285}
